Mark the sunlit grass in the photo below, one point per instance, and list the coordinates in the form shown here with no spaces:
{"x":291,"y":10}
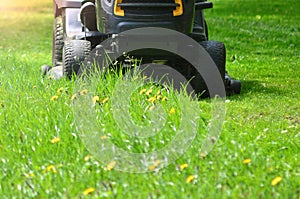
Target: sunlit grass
{"x":23,"y":5}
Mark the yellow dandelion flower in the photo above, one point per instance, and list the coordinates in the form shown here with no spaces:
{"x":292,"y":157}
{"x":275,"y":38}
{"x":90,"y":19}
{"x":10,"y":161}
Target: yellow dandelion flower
{"x":111,"y":165}
{"x":151,"y":108}
{"x":152,"y":99}
{"x":105,"y":100}
{"x":203,"y":155}
{"x":172,"y":111}
{"x":83,"y":92}
{"x":50,"y":168}
{"x":152,"y":167}
{"x":158,"y":97}
{"x":96,"y":99}
{"x":157,"y":162}
{"x":149,"y":92}
{"x":87,"y":158}
{"x":88,"y":191}
{"x":60,"y":90}
{"x":246,"y":161}
{"x":143,"y":91}
{"x":276,"y":180}
{"x":190,"y":179}
{"x":54,"y":98}
{"x":73,"y":97}
{"x":103,"y":137}
{"x":29,"y":175}
{"x":183,"y":166}
{"x":164,"y":99}
{"x":55,"y":140}
{"x":158,"y":92}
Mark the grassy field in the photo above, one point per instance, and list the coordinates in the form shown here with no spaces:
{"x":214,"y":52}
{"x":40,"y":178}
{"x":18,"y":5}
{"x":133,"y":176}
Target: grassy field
{"x":257,"y":155}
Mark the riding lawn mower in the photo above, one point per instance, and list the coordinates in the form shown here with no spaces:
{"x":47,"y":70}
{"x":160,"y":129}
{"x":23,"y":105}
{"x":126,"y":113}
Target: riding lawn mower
{"x":81,"y":26}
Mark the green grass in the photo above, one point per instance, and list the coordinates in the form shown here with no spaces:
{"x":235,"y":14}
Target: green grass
{"x":262,"y":124}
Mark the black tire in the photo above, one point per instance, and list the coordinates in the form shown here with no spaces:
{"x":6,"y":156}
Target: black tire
{"x":57,"y":42}
{"x":74,"y":53}
{"x":217,"y":52}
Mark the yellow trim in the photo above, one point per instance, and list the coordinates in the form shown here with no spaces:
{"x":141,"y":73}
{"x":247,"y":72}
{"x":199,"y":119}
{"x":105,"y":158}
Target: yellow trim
{"x":179,"y":9}
{"x":117,"y":10}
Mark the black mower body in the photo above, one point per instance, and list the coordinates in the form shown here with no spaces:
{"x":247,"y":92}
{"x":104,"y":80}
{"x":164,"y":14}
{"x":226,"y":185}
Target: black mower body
{"x":93,"y":21}
{"x":118,"y":16}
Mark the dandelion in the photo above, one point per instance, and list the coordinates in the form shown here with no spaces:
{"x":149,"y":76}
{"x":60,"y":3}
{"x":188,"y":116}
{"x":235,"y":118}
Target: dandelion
{"x":54,"y":98}
{"x":103,"y":137}
{"x":246,"y":161}
{"x":105,"y":100}
{"x":88,"y":191}
{"x":158,"y":97}
{"x":158,"y":92}
{"x":152,"y":167}
{"x":172,"y":111}
{"x":190,"y":179}
{"x":152,"y":99}
{"x":83,"y":92}
{"x":202,"y":155}
{"x":183,"y":166}
{"x":157,"y":162}
{"x":276,"y":180}
{"x":73,"y":97}
{"x":151,"y":108}
{"x":55,"y":140}
{"x":143,"y":91}
{"x":60,"y":90}
{"x":87,"y":158}
{"x":155,"y":165}
{"x":50,"y":168}
{"x":149,"y":92}
{"x":111,"y":165}
{"x":164,"y":99}
{"x":29,"y":175}
{"x":96,"y":99}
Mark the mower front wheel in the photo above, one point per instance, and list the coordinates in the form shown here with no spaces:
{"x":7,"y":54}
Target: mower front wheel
{"x":74,"y":53}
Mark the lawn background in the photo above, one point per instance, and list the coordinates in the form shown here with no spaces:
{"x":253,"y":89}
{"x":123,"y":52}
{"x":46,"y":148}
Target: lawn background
{"x":262,"y":124}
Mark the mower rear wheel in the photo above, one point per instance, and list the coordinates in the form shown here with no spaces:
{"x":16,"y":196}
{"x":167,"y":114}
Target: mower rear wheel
{"x":74,"y":53}
{"x":57,"y":42}
{"x":217,"y":52}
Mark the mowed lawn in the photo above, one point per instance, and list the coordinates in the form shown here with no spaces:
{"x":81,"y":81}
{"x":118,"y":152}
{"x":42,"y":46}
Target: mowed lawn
{"x":257,"y":155}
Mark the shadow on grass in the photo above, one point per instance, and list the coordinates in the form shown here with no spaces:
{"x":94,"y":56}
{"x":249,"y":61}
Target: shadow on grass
{"x":255,"y":87}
